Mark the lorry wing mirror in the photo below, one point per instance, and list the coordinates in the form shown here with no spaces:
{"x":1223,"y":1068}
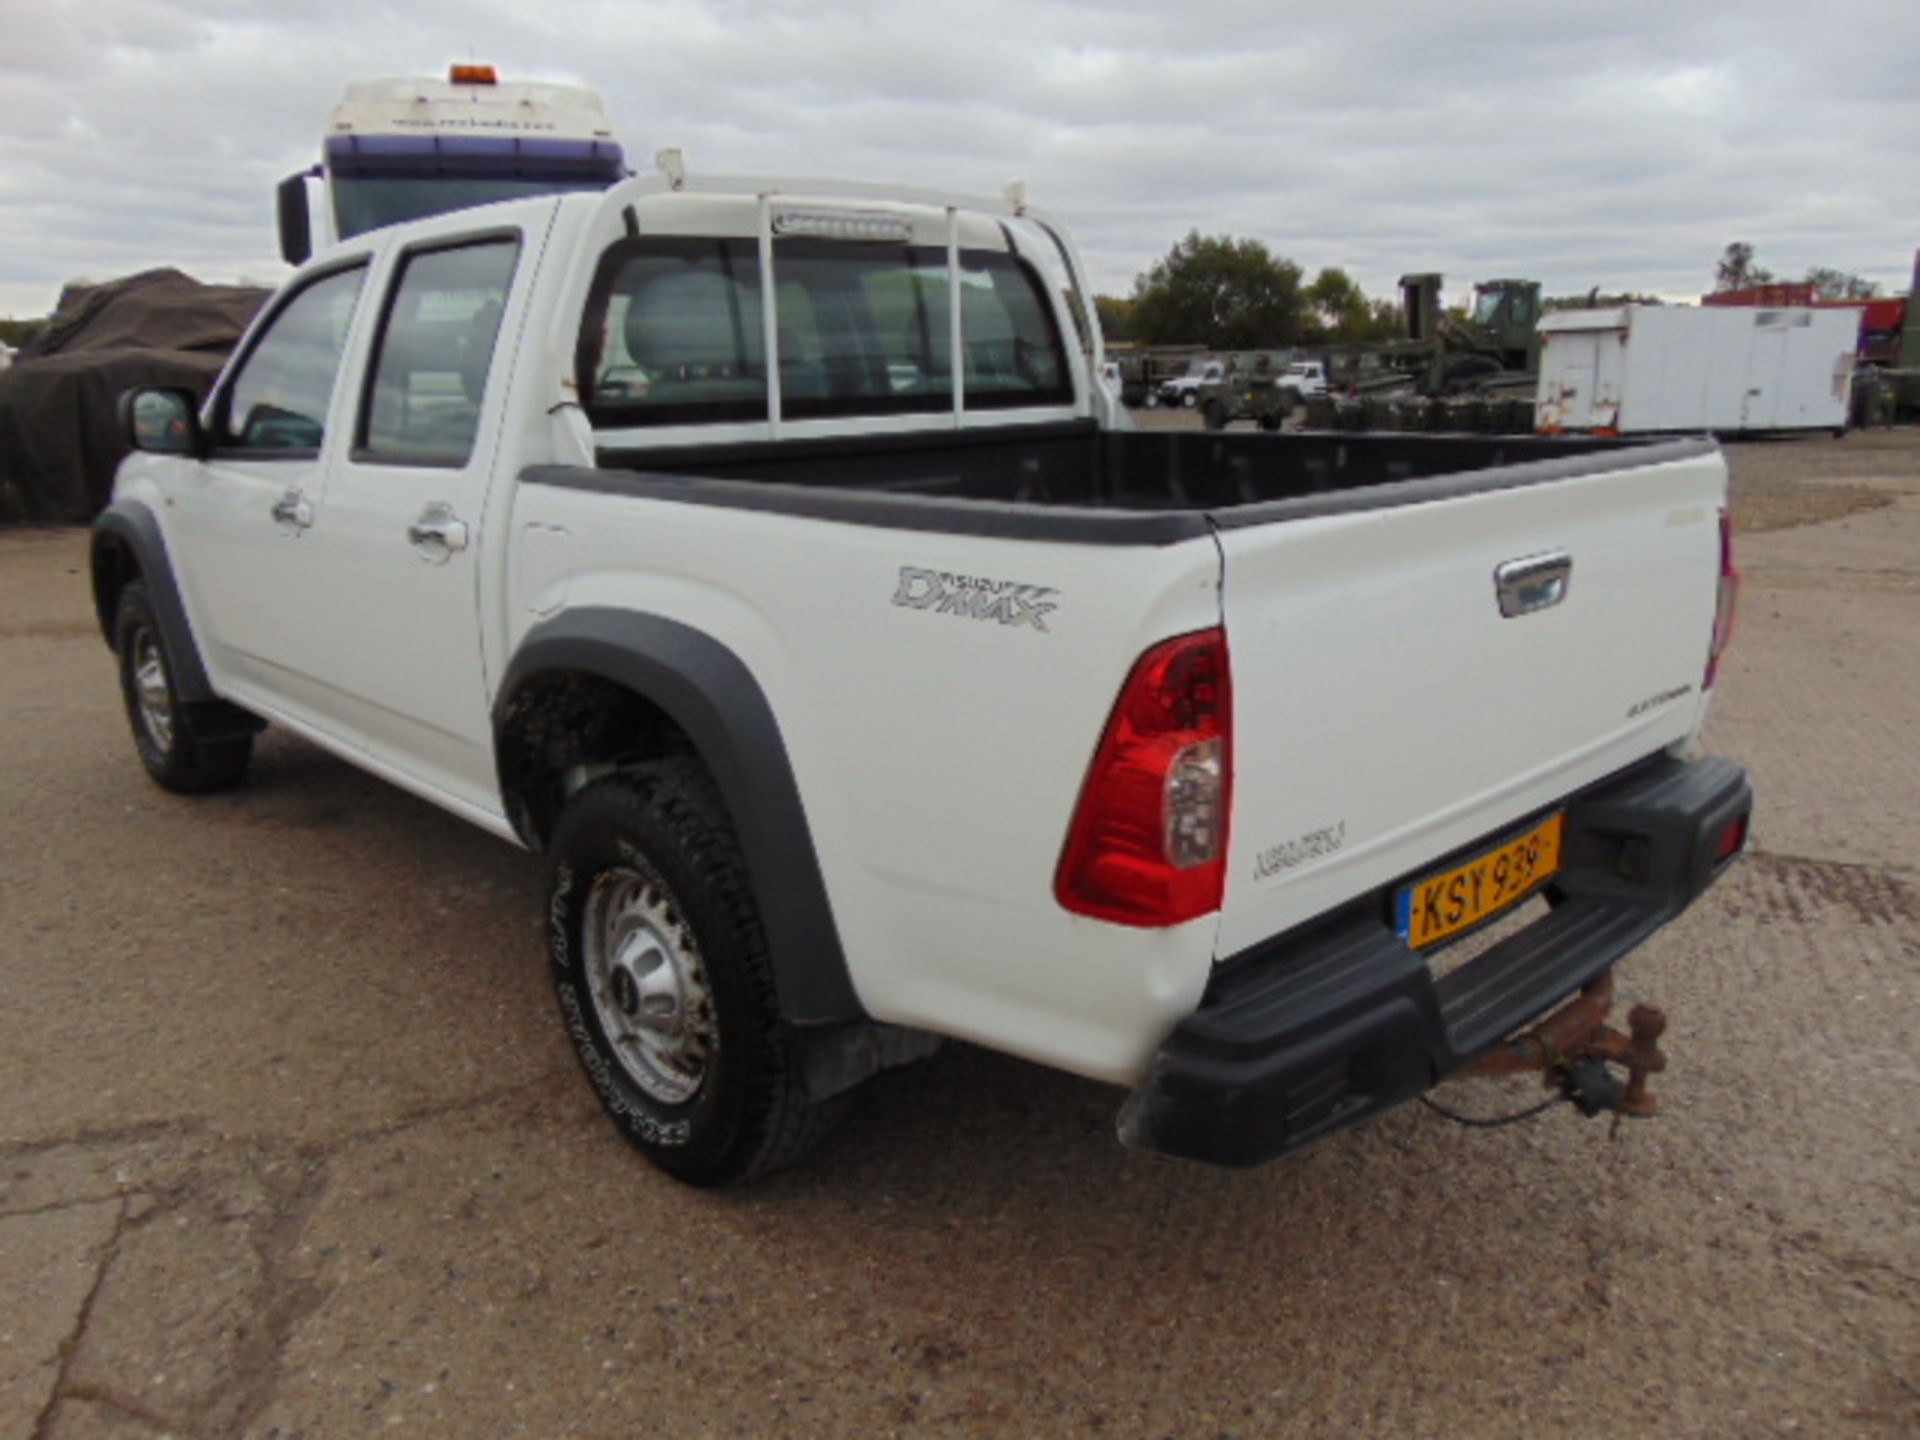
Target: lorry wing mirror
{"x":296,"y":235}
{"x":160,"y":422}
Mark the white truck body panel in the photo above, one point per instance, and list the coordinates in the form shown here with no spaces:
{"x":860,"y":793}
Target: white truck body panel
{"x":522,"y":109}
{"x":1650,"y":369}
{"x":1385,"y":703}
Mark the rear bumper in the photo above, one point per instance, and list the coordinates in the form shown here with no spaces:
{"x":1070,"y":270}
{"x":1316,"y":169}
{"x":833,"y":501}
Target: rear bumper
{"x":1318,"y":1029}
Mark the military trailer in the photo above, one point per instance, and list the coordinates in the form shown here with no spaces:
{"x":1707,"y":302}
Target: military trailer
{"x":1448,"y":373}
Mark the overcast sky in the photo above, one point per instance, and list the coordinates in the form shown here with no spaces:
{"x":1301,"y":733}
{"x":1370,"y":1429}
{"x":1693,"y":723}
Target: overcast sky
{"x":1620,"y":145}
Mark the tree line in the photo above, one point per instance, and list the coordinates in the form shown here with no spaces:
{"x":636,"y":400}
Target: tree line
{"x":1228,"y":293}
{"x":1235,"y":294}
{"x":1737,"y":271}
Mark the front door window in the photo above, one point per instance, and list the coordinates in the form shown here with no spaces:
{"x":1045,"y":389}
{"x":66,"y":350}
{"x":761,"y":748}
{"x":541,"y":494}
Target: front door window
{"x":278,"y":401}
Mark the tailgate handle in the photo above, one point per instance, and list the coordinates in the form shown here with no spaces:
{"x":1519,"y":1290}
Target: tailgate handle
{"x":1538,"y":582}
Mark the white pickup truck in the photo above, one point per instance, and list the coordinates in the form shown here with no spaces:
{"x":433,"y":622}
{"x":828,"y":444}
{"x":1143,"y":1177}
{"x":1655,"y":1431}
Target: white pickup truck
{"x":768,"y":557}
{"x":1184,"y":390}
{"x":1306,"y":378}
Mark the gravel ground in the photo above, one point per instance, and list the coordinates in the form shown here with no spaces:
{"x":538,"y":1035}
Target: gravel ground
{"x":291,"y":1143}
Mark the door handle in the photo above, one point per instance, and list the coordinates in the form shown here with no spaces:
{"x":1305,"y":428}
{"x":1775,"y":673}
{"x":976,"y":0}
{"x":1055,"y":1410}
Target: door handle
{"x":1537,"y":582}
{"x":293,"y":510}
{"x":437,"y":532}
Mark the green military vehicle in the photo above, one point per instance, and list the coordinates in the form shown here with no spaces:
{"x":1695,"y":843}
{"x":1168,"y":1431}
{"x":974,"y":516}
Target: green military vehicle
{"x":1495,"y":347}
{"x":1448,"y":372}
{"x":1266,"y":387}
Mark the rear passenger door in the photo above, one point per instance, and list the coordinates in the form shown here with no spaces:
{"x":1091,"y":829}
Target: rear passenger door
{"x":406,"y":511}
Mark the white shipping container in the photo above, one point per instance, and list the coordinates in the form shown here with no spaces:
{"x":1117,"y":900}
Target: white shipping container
{"x":1639,"y":369}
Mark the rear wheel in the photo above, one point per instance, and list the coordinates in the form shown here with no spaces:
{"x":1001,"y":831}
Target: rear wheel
{"x":162,"y":734}
{"x":665,"y":983}
{"x":1153,"y":400}
{"x":1190,"y":399}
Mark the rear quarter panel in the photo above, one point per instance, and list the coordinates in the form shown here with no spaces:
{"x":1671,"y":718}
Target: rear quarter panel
{"x":938,"y":756}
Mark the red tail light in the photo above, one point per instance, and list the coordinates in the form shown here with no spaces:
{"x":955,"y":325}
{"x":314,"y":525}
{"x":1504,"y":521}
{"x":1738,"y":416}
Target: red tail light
{"x":1148,"y":844}
{"x":1733,"y":839}
{"x":1728,"y":598}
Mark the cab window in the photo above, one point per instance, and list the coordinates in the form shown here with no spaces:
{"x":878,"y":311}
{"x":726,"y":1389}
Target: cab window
{"x":434,"y":353}
{"x":675,"y":332}
{"x":863,"y":329}
{"x":278,"y":400}
{"x":683,"y":338}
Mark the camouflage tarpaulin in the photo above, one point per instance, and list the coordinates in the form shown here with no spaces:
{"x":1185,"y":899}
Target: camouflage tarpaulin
{"x":59,"y":435}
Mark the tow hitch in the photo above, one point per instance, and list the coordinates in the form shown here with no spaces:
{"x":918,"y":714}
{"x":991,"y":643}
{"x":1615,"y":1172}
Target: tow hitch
{"x":1574,"y":1046}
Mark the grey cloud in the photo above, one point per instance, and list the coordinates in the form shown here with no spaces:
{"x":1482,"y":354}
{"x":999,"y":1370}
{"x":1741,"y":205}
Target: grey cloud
{"x":1619,"y":145}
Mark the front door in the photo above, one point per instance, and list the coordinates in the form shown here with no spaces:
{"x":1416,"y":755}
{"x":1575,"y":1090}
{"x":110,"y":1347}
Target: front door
{"x":244,"y":517}
{"x":405,"y":507}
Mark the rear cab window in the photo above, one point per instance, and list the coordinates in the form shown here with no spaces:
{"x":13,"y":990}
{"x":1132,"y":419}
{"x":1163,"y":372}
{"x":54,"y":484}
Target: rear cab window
{"x":675,"y":332}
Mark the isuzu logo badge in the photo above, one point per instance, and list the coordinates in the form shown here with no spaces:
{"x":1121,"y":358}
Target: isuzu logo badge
{"x":974,"y":598}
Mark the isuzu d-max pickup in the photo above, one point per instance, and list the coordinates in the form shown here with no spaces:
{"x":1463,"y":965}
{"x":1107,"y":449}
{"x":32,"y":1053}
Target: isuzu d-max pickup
{"x":767,"y":556}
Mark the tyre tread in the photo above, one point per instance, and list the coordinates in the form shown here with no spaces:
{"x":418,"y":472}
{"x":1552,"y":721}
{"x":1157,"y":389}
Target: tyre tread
{"x":679,"y":799}
{"x":190,"y":766}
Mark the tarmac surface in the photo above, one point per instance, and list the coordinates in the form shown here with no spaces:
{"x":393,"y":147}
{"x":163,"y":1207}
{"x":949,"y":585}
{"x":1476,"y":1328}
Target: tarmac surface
{"x":292,"y":1145}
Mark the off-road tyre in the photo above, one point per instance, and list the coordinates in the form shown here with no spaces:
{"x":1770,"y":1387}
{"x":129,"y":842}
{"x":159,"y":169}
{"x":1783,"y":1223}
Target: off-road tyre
{"x":163,"y":734}
{"x":1270,"y":421}
{"x":1214,"y":415}
{"x":1152,"y":402}
{"x":1189,"y":399}
{"x":663,"y":825}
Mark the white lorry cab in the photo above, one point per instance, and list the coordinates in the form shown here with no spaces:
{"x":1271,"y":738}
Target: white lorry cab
{"x":398,"y":150}
{"x":768,"y":556}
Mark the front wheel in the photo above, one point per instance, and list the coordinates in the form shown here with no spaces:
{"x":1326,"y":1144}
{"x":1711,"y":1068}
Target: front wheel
{"x":168,"y":749}
{"x":665,"y":983}
{"x":1214,"y":414}
{"x":1153,"y":400}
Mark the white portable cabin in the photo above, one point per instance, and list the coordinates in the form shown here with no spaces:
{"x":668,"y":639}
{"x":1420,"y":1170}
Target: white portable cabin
{"x":1637,"y":369}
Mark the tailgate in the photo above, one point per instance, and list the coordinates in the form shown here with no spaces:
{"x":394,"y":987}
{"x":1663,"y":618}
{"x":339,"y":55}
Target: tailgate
{"x":1385,"y":711}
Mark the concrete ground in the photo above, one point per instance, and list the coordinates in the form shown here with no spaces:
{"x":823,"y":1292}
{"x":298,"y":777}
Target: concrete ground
{"x":291,"y":1144}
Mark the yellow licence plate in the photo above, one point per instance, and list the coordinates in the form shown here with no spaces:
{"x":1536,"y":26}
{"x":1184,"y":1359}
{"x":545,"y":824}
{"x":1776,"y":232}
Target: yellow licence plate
{"x":1430,"y":910}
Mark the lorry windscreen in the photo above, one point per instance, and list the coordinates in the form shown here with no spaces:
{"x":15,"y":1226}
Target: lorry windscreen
{"x":366,"y":202}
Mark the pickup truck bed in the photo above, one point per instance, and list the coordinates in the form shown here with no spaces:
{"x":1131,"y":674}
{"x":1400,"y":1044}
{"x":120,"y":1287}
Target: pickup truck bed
{"x":1193,"y":480}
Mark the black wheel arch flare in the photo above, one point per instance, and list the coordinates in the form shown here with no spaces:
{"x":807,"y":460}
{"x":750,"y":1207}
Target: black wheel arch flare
{"x":708,"y":692}
{"x":128,"y":545}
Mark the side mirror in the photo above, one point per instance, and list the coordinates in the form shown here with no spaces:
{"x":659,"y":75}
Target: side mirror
{"x":296,"y":238}
{"x":160,"y":422}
